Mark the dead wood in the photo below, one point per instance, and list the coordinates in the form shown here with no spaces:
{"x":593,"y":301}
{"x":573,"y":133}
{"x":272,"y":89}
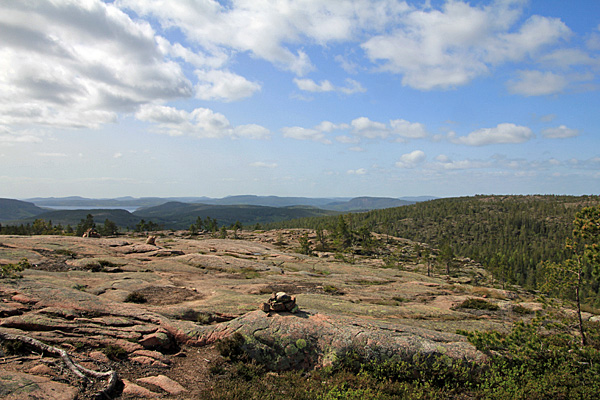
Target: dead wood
{"x":113,"y":378}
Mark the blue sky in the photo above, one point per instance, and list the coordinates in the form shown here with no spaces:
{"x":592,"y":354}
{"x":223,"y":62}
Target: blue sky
{"x":299,"y":97}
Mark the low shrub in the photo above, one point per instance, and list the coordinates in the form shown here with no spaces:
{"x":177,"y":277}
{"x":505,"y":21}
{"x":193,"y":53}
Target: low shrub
{"x":478,"y":304}
{"x":114,"y":352}
{"x":136,"y":297}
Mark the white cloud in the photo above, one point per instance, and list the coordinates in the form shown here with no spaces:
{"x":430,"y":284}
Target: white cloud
{"x":441,"y":49}
{"x":446,"y":163}
{"x":537,"y":83}
{"x":309,"y":85}
{"x":77,"y":64}
{"x":360,"y":171}
{"x":408,"y":130}
{"x":364,"y":127}
{"x":261,"y":164}
{"x":411,"y":160}
{"x":299,"y":133}
{"x":503,"y":133}
{"x":316,"y":134}
{"x":327,"y":126}
{"x":360,"y":128}
{"x":200,"y":123}
{"x":273,"y":31}
{"x":198,"y":59}
{"x":352,"y":87}
{"x":223,"y":86}
{"x":117,"y":155}
{"x":560,"y":132}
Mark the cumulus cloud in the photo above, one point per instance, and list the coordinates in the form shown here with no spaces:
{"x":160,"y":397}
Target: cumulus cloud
{"x":201,"y":123}
{"x":503,"y":133}
{"x":224,"y":86}
{"x":408,"y":130}
{"x":446,"y":48}
{"x":411,"y":160}
{"x":309,"y":85}
{"x":275,"y":32}
{"x":537,"y":83}
{"x":364,"y":127}
{"x":560,"y":132}
{"x":77,"y":64}
{"x":361,"y":128}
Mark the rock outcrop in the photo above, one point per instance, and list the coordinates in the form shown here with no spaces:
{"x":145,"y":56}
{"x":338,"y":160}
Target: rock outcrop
{"x":311,"y":340}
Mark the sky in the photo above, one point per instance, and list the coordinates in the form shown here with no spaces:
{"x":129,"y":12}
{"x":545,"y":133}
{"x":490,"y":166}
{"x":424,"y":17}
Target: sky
{"x":315,"y":98}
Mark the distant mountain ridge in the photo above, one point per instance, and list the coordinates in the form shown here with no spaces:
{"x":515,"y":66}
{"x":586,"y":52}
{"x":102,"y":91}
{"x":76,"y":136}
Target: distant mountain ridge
{"x":327,"y":203}
{"x":181,"y":212}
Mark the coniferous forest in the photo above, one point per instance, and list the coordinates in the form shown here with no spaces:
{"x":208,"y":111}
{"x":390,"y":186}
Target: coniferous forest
{"x":510,"y":235}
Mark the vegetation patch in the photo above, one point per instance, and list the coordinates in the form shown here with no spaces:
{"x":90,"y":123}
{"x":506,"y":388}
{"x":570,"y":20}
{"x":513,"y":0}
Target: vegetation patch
{"x":135,"y":297}
{"x":330,"y":289}
{"x":103,"y":266}
{"x":114,"y":352}
{"x":477,"y":304}
{"x":519,"y":309}
{"x":13,"y":270}
{"x":65,"y":252}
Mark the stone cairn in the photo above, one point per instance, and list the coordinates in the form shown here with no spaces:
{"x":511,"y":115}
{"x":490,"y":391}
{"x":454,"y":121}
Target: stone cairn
{"x":280,"y":301}
{"x":91,"y":233}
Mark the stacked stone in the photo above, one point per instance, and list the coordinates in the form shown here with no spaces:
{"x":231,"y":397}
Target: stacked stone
{"x":280,"y":301}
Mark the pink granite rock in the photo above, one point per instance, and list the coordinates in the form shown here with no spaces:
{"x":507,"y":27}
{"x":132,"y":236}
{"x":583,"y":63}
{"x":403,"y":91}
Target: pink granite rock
{"x":165,"y":383}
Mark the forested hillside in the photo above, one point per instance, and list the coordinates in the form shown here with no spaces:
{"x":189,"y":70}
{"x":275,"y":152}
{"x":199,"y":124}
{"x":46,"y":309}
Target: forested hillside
{"x":11,"y":209}
{"x":176,"y":215}
{"x":510,"y":235}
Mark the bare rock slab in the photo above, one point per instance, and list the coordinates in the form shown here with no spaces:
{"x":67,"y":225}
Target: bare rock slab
{"x":20,"y":386}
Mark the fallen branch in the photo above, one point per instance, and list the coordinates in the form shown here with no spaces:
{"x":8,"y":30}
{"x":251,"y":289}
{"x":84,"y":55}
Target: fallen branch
{"x":79,"y":370}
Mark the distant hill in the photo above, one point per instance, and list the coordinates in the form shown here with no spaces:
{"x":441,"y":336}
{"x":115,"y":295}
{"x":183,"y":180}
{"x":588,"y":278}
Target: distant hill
{"x":271,"y":201}
{"x":72,"y":217}
{"x":367,"y":203}
{"x":177,"y":215}
{"x":15,"y":209}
